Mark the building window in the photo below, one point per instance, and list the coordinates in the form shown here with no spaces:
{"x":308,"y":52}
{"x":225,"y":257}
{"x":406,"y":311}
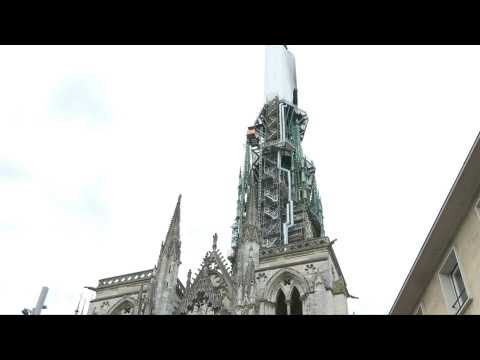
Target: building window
{"x":295,"y":302}
{"x":453,"y":285}
{"x":458,"y":288}
{"x":125,"y":308}
{"x":280,"y":304}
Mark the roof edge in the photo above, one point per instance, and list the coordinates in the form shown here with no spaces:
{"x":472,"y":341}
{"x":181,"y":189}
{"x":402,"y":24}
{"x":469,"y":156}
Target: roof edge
{"x":460,"y":180}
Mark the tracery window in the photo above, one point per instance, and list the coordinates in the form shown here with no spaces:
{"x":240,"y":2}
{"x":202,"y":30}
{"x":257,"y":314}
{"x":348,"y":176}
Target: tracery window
{"x":126,"y":308}
{"x":295,"y":302}
{"x":280,"y":304}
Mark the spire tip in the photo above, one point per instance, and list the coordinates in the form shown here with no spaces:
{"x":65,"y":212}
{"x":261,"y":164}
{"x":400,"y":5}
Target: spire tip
{"x":215,"y":238}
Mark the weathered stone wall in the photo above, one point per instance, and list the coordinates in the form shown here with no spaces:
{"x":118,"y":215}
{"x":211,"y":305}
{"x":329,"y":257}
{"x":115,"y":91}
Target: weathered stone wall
{"x":314,"y":275}
{"x":165,"y":293}
{"x":108,"y":299}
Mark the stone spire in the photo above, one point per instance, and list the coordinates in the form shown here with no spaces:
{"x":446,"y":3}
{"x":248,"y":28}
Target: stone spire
{"x":237,"y":223}
{"x":172,"y":240}
{"x":174,"y":229}
{"x":189,"y":278}
{"x":165,"y":278}
{"x":252,"y":203}
{"x":246,"y":166}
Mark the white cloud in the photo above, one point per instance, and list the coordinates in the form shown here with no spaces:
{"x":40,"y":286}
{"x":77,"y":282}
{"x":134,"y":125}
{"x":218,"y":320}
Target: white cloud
{"x":109,"y":136}
{"x":79,"y":98}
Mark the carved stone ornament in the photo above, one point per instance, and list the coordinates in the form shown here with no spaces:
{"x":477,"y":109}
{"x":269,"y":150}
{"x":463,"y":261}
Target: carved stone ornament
{"x":209,"y":290}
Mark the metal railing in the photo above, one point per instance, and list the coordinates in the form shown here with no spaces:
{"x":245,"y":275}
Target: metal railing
{"x":460,"y":301}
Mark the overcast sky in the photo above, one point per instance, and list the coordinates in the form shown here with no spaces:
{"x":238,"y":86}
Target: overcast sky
{"x":96,"y":143}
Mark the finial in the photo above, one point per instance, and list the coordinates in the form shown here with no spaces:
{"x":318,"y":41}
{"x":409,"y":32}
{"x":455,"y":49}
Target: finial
{"x":189,"y":277}
{"x":215,"y":238}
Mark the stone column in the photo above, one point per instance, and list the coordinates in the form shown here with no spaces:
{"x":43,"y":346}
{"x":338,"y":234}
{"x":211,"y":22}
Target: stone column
{"x":304,"y":300}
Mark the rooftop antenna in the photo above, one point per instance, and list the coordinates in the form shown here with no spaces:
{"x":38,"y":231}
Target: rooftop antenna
{"x":40,"y":304}
{"x":78,"y":306}
{"x":83,"y":307}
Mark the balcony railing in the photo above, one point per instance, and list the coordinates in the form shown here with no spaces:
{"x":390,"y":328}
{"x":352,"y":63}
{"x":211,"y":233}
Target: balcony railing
{"x":273,"y":213}
{"x":461,"y":299}
{"x":294,"y":247}
{"x":125,"y":279}
{"x":271,"y":195}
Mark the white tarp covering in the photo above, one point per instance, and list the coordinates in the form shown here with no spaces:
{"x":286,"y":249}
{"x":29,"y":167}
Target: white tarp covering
{"x":280,"y":73}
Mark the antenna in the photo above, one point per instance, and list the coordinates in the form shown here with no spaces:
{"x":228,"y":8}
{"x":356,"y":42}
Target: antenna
{"x":40,"y":304}
{"x":78,"y":306}
{"x":83,"y":307}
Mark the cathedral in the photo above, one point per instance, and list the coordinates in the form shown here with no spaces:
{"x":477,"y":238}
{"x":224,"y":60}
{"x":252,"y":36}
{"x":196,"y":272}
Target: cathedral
{"x":282,"y":262}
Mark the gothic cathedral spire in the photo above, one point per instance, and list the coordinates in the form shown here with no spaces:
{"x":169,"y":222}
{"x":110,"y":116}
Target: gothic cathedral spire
{"x":165,"y":278}
{"x":282,"y":261}
{"x":171,"y":246}
{"x":279,"y":222}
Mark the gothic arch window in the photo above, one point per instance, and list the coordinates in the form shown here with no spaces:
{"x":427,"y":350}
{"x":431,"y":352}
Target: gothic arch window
{"x":295,"y":302}
{"x":125,"y":308}
{"x":280,"y":303}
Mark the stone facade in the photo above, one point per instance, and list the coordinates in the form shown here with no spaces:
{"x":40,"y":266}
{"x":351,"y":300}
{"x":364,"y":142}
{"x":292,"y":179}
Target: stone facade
{"x":121,"y":294}
{"x":129,"y":294}
{"x":154,"y":291}
{"x":282,"y":262}
{"x":313,"y":272}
